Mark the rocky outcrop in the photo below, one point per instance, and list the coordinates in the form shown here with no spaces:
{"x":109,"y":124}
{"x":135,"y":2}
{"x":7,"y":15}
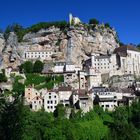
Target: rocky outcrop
{"x":10,"y":52}
{"x":84,"y":40}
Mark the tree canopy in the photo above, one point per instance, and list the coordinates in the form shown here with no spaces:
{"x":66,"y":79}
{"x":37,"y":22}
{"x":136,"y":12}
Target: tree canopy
{"x":93,"y":21}
{"x":38,"y":66}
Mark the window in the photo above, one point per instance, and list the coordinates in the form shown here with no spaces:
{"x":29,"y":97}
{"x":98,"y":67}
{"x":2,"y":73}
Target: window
{"x":49,"y":97}
{"x":51,"y":106}
{"x":55,"y":96}
{"x":48,"y":102}
{"x":48,"y":107}
{"x":55,"y":101}
{"x":107,"y":105}
{"x":51,"y":102}
{"x":34,"y":101}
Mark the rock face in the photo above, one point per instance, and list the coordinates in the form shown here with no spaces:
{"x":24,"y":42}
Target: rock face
{"x":84,"y":40}
{"x":10,"y":52}
{"x":2,"y":45}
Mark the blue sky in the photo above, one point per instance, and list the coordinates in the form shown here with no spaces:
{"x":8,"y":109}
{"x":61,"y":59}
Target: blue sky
{"x":123,"y":15}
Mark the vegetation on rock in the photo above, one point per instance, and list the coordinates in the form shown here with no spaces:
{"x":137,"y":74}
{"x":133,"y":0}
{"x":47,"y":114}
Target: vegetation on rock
{"x":20,"y":31}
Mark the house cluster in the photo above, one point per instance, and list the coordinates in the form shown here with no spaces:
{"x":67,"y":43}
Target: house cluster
{"x":49,"y":99}
{"x":77,"y":99}
{"x":83,"y":84}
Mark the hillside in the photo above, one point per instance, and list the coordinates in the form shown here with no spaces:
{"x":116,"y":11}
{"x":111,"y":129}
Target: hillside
{"x":85,"y":38}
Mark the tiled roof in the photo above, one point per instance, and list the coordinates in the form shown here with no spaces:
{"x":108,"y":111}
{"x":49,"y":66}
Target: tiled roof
{"x":123,"y":49}
{"x":63,"y":88}
{"x":37,"y":97}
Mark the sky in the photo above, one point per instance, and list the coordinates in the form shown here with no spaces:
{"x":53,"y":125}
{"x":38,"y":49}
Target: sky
{"x":123,"y":15}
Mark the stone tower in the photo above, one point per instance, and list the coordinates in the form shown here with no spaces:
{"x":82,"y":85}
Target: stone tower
{"x":70,"y":18}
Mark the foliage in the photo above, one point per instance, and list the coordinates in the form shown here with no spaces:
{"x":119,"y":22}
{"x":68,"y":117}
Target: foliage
{"x":35,"y":79}
{"x":17,"y":122}
{"x":27,"y":67}
{"x":17,"y":28}
{"x":20,"y":31}
{"x":40,"y":81}
{"x":3,"y":78}
{"x":60,"y":111}
{"x":122,"y":129}
{"x":45,"y":25}
{"x":18,"y":88}
{"x":107,"y":25}
{"x":38,"y":66}
{"x":10,"y":119}
{"x":58,"y":42}
{"x":138,"y":46}
{"x":96,"y":100}
{"x":93,"y":21}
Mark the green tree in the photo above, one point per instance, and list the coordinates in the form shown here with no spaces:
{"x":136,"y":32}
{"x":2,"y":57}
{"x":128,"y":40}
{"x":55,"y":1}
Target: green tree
{"x":60,"y":111}
{"x":107,"y":25}
{"x":16,"y":28}
{"x":121,"y":128}
{"x":93,"y":21}
{"x":3,"y":77}
{"x":38,"y":66}
{"x":18,"y":88}
{"x":96,"y":100}
{"x":138,"y":46}
{"x":11,"y":119}
{"x":135,"y":114}
{"x":27,"y":67}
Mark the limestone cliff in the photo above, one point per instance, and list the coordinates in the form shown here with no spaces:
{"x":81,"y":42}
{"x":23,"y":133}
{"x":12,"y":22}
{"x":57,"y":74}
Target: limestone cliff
{"x":84,"y":40}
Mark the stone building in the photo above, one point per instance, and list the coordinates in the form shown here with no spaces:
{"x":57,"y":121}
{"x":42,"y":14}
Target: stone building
{"x":64,"y":94}
{"x":50,"y":101}
{"x":42,"y":55}
{"x":30,"y":93}
{"x":124,"y":60}
{"x":36,"y":103}
{"x":128,"y":59}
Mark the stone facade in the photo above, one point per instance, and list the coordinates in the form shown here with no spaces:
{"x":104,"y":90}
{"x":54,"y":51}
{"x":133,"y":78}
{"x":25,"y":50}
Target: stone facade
{"x":50,"y":101}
